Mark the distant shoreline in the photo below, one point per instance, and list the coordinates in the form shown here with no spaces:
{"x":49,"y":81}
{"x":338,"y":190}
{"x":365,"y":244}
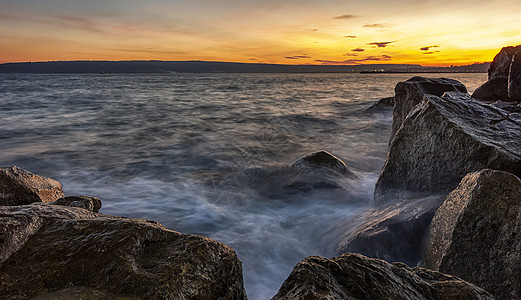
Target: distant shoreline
{"x":113,"y":67}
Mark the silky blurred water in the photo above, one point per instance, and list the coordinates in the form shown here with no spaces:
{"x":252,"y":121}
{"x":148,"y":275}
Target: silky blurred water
{"x":183,"y":149}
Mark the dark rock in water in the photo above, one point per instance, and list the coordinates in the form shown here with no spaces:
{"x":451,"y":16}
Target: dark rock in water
{"x":475,"y":234}
{"x":87,"y":202}
{"x":353,"y":276}
{"x":19,"y":187}
{"x":394,"y":233}
{"x":56,"y":249}
{"x":500,"y":66}
{"x":321,"y":161}
{"x":381,"y":105}
{"x":492,"y":90}
{"x":411,"y":92}
{"x":514,"y":78}
{"x":441,"y":141}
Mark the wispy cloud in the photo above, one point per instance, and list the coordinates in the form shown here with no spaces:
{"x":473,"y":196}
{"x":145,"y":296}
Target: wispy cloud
{"x":80,"y":23}
{"x":350,"y":54}
{"x":312,"y":29}
{"x":345,"y":17}
{"x":430,"y":52}
{"x":381,"y":44}
{"x":358,"y":50}
{"x":350,"y":36}
{"x":376,"y":25}
{"x":427,"y":48}
{"x":297,"y":57}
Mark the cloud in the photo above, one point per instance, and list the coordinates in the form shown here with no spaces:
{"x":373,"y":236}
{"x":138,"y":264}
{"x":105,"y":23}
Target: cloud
{"x":345,"y":17}
{"x":358,"y":50}
{"x":350,"y":36}
{"x":376,"y":25}
{"x":381,"y":44}
{"x":355,"y":61}
{"x":430,"y":52}
{"x":297,"y":57}
{"x":312,"y":29}
{"x":429,"y":47}
{"x":350,"y":54}
{"x":80,"y":23}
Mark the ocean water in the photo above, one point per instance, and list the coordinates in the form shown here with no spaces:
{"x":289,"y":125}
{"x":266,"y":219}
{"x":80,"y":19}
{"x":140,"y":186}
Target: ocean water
{"x":194,"y":152}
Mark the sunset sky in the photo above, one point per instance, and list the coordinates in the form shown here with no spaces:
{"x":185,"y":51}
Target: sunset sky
{"x":441,"y":32}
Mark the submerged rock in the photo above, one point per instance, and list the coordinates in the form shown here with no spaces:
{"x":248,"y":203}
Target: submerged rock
{"x":87,"y":202}
{"x":394,"y":233}
{"x":19,"y":187}
{"x":381,"y":105}
{"x":411,"y":92}
{"x":492,"y":90}
{"x":475,"y":234}
{"x":321,"y":161}
{"x":514,"y":78}
{"x":54,"y":250}
{"x":353,"y":276}
{"x":441,"y":141}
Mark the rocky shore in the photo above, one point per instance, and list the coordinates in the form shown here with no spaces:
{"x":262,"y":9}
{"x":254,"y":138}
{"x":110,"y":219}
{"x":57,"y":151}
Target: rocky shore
{"x":446,"y":222}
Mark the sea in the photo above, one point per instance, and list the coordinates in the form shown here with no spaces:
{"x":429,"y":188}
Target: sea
{"x":187,"y":150}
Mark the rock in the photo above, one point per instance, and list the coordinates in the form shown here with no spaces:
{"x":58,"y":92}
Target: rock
{"x":514,"y":78}
{"x":19,"y":187}
{"x":492,"y":90}
{"x":500,"y":66}
{"x":381,"y":105}
{"x":394,"y":233}
{"x":475,"y":234}
{"x":353,"y":276}
{"x":511,"y":107}
{"x":319,"y":162}
{"x":441,"y":141}
{"x":87,"y":202}
{"x":411,"y":92}
{"x":57,"y":250}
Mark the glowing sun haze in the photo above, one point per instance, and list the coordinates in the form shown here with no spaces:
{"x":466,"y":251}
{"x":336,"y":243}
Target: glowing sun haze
{"x":441,"y":32}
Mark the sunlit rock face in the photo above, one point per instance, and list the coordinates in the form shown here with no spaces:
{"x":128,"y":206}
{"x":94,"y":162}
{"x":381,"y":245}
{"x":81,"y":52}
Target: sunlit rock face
{"x":51,"y":250}
{"x":500,"y":66}
{"x":411,"y":92}
{"x":394,"y":233}
{"x":442,"y":140}
{"x":19,"y":187}
{"x":475,"y":234}
{"x":353,"y":276}
{"x":514,"y":78}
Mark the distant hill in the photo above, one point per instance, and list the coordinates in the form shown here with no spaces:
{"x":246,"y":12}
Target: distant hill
{"x":216,"y":67}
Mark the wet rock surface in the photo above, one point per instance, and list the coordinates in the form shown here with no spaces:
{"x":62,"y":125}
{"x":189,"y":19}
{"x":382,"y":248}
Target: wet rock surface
{"x":475,"y":234}
{"x":394,"y":233}
{"x":353,"y":276}
{"x":48,"y":250}
{"x":411,"y":92}
{"x":87,"y":202}
{"x":500,"y":66}
{"x":19,"y":187}
{"x":441,"y":141}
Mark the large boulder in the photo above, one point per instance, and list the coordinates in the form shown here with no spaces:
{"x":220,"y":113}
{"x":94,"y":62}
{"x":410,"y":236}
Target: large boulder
{"x":441,"y":141}
{"x":50,"y":251}
{"x":475,"y":234}
{"x":496,"y":88}
{"x":394,"y":233}
{"x":514,"y":78}
{"x":500,"y":66}
{"x":411,"y":92}
{"x":353,"y":276}
{"x":492,"y":90}
{"x":19,"y":187}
